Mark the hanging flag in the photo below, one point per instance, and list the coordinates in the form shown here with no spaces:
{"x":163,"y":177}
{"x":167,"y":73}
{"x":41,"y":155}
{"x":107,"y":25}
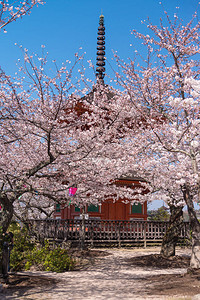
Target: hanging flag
{"x":72,"y":191}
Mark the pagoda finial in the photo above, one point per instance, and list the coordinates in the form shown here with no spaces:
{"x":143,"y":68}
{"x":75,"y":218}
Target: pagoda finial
{"x":100,"y":69}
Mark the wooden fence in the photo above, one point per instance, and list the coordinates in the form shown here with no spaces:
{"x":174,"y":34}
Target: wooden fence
{"x":103,"y":231}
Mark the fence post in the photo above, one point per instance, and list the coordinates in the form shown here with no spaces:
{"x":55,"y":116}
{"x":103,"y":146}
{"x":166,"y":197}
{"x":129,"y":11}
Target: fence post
{"x":144,"y":234}
{"x":91,"y":228}
{"x":119,"y":239}
{"x":82,"y":230}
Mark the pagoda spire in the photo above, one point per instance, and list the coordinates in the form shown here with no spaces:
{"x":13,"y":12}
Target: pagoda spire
{"x":100,"y":69}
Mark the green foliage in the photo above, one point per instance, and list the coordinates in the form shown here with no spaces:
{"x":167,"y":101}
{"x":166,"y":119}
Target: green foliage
{"x":26,"y":254}
{"x":161,"y":214}
{"x":47,"y":259}
{"x":22,"y":245}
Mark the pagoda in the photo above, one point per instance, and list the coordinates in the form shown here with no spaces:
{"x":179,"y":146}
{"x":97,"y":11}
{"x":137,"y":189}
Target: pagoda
{"x":122,"y":209}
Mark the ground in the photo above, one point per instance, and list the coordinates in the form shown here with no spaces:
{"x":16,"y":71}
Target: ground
{"x":111,"y":274}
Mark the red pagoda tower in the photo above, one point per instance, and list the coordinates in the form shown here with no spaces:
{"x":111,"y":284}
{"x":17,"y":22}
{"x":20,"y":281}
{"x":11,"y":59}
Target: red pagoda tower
{"x":108,"y":210}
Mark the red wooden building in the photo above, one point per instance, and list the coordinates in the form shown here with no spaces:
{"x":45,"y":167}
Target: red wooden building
{"x":108,"y":210}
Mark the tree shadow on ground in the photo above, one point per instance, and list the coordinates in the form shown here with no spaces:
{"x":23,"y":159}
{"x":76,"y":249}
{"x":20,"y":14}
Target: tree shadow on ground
{"x":21,"y":284}
{"x":158,"y":261}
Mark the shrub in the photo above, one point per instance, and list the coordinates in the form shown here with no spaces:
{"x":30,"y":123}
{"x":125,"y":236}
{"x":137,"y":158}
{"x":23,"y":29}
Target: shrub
{"x":27,"y":253}
{"x":22,"y":245}
{"x":44,"y":258}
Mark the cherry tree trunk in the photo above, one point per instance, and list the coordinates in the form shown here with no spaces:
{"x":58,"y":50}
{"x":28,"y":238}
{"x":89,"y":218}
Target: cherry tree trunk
{"x":6,"y":215}
{"x":170,"y":239}
{"x":195,"y":228}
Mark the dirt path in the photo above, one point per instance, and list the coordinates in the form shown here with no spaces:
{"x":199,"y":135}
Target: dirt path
{"x":110,"y":277}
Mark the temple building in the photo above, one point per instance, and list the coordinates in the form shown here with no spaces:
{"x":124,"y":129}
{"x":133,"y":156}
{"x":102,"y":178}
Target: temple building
{"x":107,"y":210}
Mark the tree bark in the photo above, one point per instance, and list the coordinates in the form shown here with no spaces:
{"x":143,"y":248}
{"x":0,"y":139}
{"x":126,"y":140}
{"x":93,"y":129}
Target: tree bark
{"x":170,"y":239}
{"x":195,"y":228}
{"x":6,"y":215}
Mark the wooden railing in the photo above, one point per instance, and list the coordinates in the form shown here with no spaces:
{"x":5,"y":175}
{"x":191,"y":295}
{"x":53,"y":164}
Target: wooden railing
{"x":102,"y":230}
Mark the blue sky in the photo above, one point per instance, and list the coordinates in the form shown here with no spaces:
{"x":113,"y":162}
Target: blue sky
{"x":64,"y":26}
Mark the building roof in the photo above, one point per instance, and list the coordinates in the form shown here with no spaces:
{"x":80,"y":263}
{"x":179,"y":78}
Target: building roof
{"x":132,"y":176}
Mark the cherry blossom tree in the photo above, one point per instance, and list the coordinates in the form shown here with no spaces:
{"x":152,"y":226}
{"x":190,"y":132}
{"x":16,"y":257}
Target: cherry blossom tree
{"x":55,"y":134}
{"x":11,"y":10}
{"x":164,"y":89}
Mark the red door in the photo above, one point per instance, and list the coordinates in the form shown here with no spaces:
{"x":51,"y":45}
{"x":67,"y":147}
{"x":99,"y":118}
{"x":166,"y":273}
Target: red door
{"x":116,"y":211}
{"x":120,"y":211}
{"x":111,"y":210}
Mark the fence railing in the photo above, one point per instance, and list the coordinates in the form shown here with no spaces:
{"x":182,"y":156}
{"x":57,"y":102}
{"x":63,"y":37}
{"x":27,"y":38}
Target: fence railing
{"x":102,"y":230}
